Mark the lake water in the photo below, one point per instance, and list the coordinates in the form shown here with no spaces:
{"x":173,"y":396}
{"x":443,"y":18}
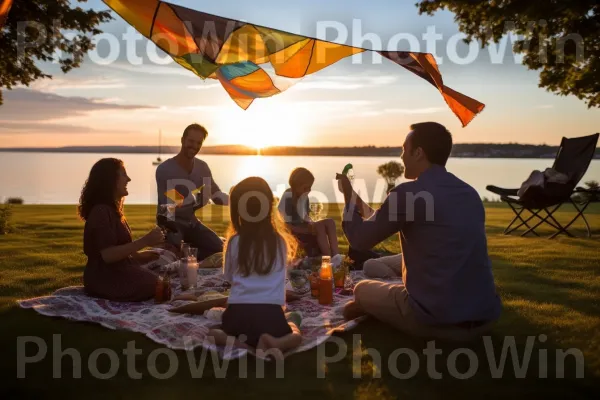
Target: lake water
{"x":57,"y":178}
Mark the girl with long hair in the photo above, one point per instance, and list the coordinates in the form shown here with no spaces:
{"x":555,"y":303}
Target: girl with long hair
{"x":257,"y":252}
{"x":256,"y":256}
{"x":113,"y":268}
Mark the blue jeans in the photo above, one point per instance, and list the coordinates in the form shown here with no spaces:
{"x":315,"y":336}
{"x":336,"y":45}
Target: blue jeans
{"x":203,"y":238}
{"x":196,"y":234}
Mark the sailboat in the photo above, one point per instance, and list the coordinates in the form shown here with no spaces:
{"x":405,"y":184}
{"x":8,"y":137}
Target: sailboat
{"x":158,"y":160}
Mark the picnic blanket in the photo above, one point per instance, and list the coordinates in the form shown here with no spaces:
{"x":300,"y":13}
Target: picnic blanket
{"x":184,"y":331}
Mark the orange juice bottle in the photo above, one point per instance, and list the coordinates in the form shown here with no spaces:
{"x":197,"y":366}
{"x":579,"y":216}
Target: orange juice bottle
{"x":325,"y":284}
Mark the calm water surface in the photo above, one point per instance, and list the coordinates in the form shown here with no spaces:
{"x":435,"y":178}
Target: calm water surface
{"x":57,"y":178}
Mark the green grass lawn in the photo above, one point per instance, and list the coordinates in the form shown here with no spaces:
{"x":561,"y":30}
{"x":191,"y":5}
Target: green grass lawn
{"x":548,"y":287}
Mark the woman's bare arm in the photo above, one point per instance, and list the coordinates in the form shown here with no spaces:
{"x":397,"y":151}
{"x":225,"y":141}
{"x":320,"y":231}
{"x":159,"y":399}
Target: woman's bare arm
{"x":145,"y":257}
{"x":117,"y":253}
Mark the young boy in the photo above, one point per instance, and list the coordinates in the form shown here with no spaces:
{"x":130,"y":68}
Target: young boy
{"x":295,"y":210}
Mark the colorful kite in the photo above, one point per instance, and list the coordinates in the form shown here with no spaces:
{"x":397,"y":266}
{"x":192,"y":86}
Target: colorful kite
{"x":4,"y":9}
{"x":232,"y":52}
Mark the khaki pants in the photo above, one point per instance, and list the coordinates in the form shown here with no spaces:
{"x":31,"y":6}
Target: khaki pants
{"x":388,"y":302}
{"x":384,"y":267}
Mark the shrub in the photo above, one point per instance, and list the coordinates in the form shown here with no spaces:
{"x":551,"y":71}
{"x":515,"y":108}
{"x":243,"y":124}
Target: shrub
{"x":592,"y":185}
{"x":5,"y":217}
{"x":584,"y":197}
{"x":485,"y":199}
{"x":14,"y":200}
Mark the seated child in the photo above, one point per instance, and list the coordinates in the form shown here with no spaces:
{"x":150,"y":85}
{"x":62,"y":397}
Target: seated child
{"x":256,"y":255}
{"x":294,"y":207}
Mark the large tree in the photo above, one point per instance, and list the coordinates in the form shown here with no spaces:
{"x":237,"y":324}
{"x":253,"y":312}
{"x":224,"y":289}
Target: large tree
{"x":35,"y":29}
{"x":549,"y":32}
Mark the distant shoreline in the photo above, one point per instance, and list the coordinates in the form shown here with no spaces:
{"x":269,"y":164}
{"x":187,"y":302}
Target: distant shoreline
{"x":460,"y":150}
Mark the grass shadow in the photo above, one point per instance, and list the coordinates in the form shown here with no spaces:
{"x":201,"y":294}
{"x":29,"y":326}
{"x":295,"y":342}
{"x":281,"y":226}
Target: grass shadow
{"x":300,"y":372}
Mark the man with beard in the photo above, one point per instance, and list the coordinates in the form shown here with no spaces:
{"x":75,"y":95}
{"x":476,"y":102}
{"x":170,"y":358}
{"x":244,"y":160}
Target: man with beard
{"x":188,"y":181}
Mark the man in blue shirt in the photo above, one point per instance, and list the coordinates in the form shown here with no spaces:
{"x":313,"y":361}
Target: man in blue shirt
{"x":447,"y":288}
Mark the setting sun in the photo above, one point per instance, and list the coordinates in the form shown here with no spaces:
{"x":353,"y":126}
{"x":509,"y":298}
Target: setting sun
{"x":263,"y":125}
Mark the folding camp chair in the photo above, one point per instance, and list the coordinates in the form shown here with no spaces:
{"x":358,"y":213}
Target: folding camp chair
{"x":572,"y":159}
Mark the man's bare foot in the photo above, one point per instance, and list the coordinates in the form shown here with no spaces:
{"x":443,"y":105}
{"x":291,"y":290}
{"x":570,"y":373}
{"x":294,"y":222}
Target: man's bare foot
{"x":352,"y":311}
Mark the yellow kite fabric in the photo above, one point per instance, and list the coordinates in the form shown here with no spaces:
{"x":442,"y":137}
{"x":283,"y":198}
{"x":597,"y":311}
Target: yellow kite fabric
{"x":232,"y":52}
{"x":4,"y":9}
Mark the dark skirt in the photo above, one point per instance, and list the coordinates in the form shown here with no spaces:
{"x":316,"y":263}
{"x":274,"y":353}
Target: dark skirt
{"x":253,"y":320}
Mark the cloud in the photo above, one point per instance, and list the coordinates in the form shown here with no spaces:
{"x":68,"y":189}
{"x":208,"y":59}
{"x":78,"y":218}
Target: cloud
{"x":325,"y":105}
{"x":153,"y":69}
{"x":329,"y":85}
{"x":329,"y":111}
{"x":11,"y":127}
{"x":54,"y":84}
{"x":189,"y":109}
{"x":204,"y":86}
{"x":382,"y":80}
{"x":345,"y":82}
{"x":22,"y":104}
{"x":403,"y":111}
{"x":108,"y":100}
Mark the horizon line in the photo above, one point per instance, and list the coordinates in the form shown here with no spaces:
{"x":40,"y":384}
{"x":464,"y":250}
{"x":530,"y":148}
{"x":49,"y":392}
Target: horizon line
{"x":266,"y":147}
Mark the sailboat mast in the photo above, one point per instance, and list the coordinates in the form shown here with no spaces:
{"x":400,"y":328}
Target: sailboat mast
{"x":158,"y":159}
